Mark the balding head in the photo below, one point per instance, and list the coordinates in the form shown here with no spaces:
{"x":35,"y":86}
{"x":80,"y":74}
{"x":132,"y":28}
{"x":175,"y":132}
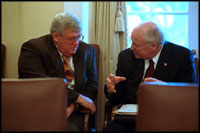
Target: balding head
{"x":150,"y":32}
{"x":147,"y":40}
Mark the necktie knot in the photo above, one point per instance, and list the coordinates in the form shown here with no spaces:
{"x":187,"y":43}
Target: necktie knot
{"x":65,"y":58}
{"x":151,"y":62}
{"x":150,"y":69}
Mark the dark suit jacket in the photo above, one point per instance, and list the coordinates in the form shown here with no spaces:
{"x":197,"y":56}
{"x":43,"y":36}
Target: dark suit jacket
{"x":180,"y":68}
{"x":39,"y":58}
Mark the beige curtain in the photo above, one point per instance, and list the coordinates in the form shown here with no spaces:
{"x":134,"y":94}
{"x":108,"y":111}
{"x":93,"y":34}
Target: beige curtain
{"x":101,"y":32}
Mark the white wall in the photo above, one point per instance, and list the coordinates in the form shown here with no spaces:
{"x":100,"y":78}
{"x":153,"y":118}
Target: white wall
{"x":22,"y":21}
{"x":74,"y":7}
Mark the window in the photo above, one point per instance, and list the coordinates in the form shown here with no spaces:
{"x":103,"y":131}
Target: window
{"x":172,"y":17}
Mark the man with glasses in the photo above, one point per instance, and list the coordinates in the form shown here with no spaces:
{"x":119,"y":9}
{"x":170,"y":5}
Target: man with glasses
{"x":45,"y":57}
{"x":169,"y":63}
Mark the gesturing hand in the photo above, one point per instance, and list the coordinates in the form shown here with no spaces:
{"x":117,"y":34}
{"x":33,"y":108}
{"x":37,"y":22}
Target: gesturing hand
{"x":112,"y":80}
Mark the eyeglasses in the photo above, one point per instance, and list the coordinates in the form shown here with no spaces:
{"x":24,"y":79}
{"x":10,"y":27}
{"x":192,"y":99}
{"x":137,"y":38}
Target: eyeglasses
{"x":73,"y":39}
{"x":139,"y":46}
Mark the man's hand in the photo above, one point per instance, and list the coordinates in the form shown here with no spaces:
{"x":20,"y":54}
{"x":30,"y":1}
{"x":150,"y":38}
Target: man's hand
{"x":150,"y":79}
{"x":112,"y":80}
{"x":86,"y":102}
{"x":69,"y":110}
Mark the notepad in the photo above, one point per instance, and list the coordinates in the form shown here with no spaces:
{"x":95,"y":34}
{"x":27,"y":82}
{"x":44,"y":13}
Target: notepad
{"x":128,"y":109}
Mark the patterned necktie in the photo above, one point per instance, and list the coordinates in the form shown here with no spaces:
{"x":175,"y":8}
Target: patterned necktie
{"x":69,"y":74}
{"x":150,"y":70}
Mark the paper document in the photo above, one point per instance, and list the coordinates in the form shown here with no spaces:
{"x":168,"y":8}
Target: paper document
{"x":128,"y":109}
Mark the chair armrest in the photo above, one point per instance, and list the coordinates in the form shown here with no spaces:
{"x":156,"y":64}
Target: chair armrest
{"x":107,"y":113}
{"x":84,"y":110}
{"x":86,"y":114}
{"x":89,"y":120}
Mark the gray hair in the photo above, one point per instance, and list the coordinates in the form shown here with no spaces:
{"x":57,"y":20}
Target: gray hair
{"x":63,"y":21}
{"x":154,"y":34}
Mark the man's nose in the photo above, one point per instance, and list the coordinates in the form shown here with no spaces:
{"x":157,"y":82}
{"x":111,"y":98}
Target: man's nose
{"x":76,"y":42}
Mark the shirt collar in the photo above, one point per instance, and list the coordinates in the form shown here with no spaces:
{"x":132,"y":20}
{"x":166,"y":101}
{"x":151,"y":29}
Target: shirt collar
{"x":155,"y":59}
{"x":61,"y":53}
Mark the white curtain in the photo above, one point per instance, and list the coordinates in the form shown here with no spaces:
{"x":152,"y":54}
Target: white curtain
{"x":102,"y":32}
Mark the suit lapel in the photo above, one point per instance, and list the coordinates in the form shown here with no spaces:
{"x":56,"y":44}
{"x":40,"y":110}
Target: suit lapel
{"x":56,"y":58}
{"x":78,"y":66}
{"x":162,"y":71}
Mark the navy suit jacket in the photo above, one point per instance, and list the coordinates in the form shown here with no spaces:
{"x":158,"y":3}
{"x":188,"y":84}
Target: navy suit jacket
{"x":175,"y":64}
{"x":39,"y":57}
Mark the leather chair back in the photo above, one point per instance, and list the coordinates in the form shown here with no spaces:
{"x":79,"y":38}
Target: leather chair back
{"x":196,"y":61}
{"x":37,"y":104}
{"x":3,"y":58}
{"x":168,"y":107}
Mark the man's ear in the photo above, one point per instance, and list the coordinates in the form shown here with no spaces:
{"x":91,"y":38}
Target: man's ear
{"x":56,"y":37}
{"x":154,"y":45}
